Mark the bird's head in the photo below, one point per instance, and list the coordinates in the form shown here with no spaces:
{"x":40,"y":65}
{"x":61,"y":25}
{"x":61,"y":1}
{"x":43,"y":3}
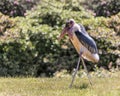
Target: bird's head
{"x":69,"y":24}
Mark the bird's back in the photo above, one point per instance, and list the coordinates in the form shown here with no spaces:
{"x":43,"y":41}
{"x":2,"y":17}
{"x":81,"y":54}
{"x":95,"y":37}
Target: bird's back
{"x":85,"y":44}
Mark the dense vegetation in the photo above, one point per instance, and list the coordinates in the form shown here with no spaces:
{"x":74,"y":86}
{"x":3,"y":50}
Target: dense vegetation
{"x":15,"y":8}
{"x":29,"y":45}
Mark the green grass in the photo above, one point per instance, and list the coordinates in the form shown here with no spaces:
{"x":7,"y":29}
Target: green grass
{"x":59,"y":87}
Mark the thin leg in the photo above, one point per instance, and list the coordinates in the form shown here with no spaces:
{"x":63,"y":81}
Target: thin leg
{"x":86,"y":72}
{"x":73,"y":77}
{"x":75,"y":73}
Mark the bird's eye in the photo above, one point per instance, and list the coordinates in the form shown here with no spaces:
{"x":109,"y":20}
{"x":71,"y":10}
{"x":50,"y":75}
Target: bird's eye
{"x":71,"y":22}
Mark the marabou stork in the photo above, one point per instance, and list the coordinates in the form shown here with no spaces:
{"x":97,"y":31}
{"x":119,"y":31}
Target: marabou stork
{"x":83,"y":43}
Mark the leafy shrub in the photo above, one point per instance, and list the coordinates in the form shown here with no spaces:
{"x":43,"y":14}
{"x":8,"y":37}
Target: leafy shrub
{"x":114,"y":23}
{"x":104,"y":8}
{"x":15,"y":8}
{"x":51,"y":18}
{"x":32,"y":47}
{"x":108,"y":8}
{"x":5,"y":24}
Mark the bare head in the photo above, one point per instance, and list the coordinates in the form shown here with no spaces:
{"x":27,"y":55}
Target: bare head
{"x":70,"y":23}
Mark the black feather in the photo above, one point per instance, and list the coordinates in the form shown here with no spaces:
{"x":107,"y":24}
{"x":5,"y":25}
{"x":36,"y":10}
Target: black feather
{"x":87,"y":41}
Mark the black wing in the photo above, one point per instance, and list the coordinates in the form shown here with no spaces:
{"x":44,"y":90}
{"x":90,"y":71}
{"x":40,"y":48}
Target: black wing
{"x":87,"y":41}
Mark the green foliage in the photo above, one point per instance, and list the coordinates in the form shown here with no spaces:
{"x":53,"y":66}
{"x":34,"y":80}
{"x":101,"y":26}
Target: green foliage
{"x":104,"y":8}
{"x":32,"y":48}
{"x":15,"y":8}
{"x":109,"y":8}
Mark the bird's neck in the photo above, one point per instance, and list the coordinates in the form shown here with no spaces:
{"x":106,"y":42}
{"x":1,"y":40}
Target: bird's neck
{"x":75,"y":27}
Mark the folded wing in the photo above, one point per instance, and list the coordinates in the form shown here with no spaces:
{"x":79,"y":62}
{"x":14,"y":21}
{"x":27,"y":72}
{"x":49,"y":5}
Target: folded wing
{"x":87,"y":41}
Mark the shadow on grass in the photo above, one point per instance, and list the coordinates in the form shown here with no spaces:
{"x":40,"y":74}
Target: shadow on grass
{"x":83,"y":86}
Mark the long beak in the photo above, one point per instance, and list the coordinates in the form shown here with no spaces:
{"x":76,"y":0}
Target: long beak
{"x":66,"y":28}
{"x":64,"y":31}
{"x":68,"y":31}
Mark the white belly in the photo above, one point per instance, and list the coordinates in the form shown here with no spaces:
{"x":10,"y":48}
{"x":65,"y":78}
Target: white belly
{"x":86,"y":53}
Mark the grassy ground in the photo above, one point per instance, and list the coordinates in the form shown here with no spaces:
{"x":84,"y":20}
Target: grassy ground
{"x":59,"y":87}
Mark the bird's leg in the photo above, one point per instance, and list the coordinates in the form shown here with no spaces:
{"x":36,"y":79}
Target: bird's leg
{"x":86,"y":71}
{"x":73,"y":77}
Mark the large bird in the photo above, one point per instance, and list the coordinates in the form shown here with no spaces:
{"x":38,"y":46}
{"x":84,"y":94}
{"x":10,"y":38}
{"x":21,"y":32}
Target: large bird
{"x":83,"y":43}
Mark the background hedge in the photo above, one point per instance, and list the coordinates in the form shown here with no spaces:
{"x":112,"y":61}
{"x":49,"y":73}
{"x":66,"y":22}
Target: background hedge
{"x":29,"y":44}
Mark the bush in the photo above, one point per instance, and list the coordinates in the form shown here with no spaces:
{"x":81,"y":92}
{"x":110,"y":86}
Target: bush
{"x":15,"y":8}
{"x":104,"y":8}
{"x":5,"y":24}
{"x":108,"y":8}
{"x":32,"y":48}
